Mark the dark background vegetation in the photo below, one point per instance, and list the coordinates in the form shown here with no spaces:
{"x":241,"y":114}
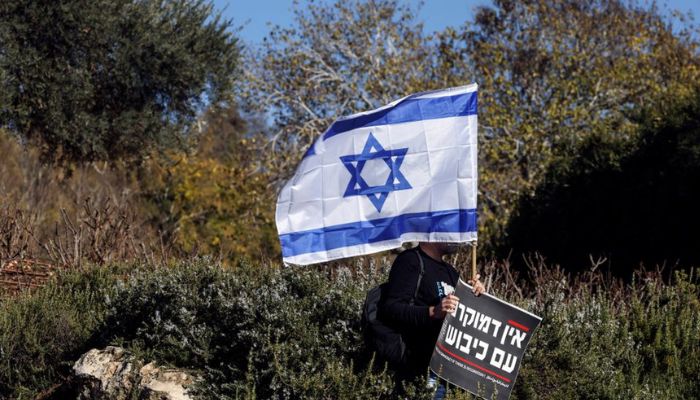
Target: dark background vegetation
{"x":136,"y":136}
{"x":631,"y":203}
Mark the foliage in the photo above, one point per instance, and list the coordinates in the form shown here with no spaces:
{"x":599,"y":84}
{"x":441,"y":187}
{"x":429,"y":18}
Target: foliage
{"x":257,"y":331}
{"x":250,"y":331}
{"x":68,"y":216}
{"x":213,"y":200}
{"x":552,"y":73}
{"x":43,"y":334}
{"x":216,"y":199}
{"x":336,"y":60}
{"x":106,"y":80}
{"x":626,"y":201}
{"x":637,"y":342}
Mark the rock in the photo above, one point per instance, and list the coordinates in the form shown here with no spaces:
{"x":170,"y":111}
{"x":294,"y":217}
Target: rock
{"x":155,"y":380}
{"x":113,"y":373}
{"x":107,"y":372}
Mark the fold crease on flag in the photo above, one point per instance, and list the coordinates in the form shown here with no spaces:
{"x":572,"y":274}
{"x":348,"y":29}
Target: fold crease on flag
{"x":377,"y":179}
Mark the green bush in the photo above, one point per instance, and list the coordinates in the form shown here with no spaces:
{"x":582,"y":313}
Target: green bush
{"x":260,"y":331}
{"x":43,"y":333}
{"x":602,"y":339}
{"x":251,"y":332}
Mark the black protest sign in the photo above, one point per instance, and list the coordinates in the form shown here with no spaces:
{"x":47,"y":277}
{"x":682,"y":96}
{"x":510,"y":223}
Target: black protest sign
{"x":481,"y":344}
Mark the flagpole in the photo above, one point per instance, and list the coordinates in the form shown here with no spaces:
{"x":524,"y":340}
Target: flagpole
{"x":474,"y":260}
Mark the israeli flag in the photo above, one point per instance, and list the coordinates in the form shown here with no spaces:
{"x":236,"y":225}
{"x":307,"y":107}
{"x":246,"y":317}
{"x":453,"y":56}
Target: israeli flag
{"x":374,"y":180}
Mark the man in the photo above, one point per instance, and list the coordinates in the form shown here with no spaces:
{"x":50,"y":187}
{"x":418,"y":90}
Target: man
{"x":419,"y":321}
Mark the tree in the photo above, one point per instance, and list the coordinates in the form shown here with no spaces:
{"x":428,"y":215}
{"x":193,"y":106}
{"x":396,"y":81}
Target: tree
{"x":626,"y":202}
{"x":110,"y":79}
{"x":335,"y":60}
{"x":215,"y":199}
{"x":551,"y":73}
{"x":554,"y":73}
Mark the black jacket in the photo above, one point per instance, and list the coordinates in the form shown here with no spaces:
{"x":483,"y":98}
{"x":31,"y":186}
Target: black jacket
{"x":413,"y":321}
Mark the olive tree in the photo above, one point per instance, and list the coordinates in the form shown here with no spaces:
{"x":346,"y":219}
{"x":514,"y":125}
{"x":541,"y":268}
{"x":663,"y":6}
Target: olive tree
{"x":110,"y":79}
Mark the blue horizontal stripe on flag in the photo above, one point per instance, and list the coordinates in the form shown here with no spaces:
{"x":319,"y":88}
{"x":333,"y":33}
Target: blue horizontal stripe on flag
{"x":377,"y":230}
{"x":410,"y":109}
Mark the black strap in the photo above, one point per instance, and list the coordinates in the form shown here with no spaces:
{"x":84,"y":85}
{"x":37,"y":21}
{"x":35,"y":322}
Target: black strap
{"x":420,"y":276}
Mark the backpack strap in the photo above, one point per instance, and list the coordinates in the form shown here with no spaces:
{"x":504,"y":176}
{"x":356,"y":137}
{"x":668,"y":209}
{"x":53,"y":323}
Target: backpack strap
{"x":420,"y":276}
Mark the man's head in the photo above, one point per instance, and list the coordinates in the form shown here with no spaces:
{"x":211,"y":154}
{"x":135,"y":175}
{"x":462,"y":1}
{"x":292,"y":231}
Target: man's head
{"x":439,"y":249}
{"x":449,"y":248}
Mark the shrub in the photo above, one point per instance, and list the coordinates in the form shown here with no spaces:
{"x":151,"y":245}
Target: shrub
{"x":43,"y":333}
{"x":260,"y":331}
{"x":604,"y":339}
{"x":252,"y":332}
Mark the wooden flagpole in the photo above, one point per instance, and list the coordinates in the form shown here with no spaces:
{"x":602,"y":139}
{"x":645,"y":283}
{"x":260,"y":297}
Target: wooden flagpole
{"x":473,"y":277}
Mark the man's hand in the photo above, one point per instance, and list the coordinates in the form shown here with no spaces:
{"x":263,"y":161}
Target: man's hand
{"x":447,"y":305}
{"x":477,"y":287}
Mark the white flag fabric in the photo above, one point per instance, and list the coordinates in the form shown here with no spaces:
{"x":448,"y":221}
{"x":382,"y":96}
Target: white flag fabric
{"x":374,"y":180}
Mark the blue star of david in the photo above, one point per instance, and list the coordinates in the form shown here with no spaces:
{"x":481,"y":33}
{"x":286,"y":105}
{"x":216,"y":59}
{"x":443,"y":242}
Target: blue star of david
{"x":356,"y":162}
